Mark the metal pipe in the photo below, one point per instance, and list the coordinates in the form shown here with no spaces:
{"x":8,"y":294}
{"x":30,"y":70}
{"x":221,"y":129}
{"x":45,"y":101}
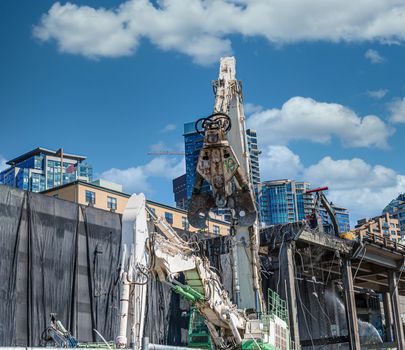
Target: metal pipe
{"x":145,"y":343}
{"x":253,"y":236}
{"x":235,"y":272}
{"x":122,"y":340}
{"x":169,"y":347}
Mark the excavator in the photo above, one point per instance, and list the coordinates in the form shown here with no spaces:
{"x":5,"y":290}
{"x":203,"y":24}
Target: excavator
{"x":315,"y":219}
{"x":236,"y":321}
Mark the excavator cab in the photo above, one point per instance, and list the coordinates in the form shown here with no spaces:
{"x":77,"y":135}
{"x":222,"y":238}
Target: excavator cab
{"x":218,"y":165}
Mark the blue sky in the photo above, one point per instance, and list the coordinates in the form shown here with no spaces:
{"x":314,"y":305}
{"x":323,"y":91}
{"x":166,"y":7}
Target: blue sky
{"x":116,"y":82}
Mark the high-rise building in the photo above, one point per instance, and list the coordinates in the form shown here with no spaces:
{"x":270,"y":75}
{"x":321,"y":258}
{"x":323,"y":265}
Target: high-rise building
{"x":254,"y":153}
{"x":180,"y":191}
{"x":40,"y":169}
{"x":284,"y":201}
{"x":193,"y":142}
{"x":342,"y":217}
{"x":397,"y":210}
{"x":383,"y":226}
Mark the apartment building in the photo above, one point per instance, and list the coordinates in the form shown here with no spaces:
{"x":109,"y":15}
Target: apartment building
{"x":384,"y":225}
{"x":106,"y":195}
{"x":41,"y":169}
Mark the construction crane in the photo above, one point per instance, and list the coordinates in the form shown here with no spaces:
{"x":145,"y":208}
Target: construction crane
{"x":166,"y":153}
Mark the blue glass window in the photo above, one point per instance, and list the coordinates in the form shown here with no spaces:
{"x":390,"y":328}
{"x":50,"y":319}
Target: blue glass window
{"x":169,"y":217}
{"x":90,"y":197}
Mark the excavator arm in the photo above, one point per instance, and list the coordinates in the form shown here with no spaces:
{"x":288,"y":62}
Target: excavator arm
{"x":167,"y":256}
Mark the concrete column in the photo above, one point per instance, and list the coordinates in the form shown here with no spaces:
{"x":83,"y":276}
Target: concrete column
{"x":396,"y":312}
{"x":388,"y":317}
{"x":288,"y":291}
{"x":335,"y":309}
{"x":350,"y":305}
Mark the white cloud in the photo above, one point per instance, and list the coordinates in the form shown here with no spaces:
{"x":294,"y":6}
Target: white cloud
{"x":306,"y":119}
{"x":202,"y":29}
{"x":377,"y":94}
{"x":250,"y":108}
{"x":137,"y":179}
{"x":169,"y":127}
{"x":373,"y":56}
{"x":279,"y":162}
{"x":158,"y":147}
{"x":397,"y":109}
{"x":3,"y":164}
{"x":362,"y":188}
{"x":349,"y":174}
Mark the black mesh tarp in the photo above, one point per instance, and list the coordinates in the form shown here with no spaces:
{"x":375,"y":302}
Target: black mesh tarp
{"x":157,"y":312}
{"x":44,"y":269}
{"x":103,"y":253}
{"x":11,"y":212}
{"x":52,"y":261}
{"x":39,"y":267}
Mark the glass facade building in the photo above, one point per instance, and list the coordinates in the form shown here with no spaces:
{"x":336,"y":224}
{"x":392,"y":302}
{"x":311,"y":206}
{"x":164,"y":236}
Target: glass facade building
{"x":342,"y":217}
{"x":254,"y":152}
{"x":397,"y":210}
{"x":193,"y":143}
{"x":180,"y":191}
{"x":40,"y":170}
{"x":284,"y":201}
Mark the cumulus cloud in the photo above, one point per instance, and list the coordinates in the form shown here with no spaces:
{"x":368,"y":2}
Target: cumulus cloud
{"x":279,"y":162}
{"x":377,"y":94}
{"x":169,"y":127}
{"x":362,"y":188}
{"x":306,"y":119}
{"x":137,"y":179}
{"x":373,"y":56}
{"x":3,"y":164}
{"x":203,"y":29}
{"x":397,"y":109}
{"x":354,"y":184}
{"x":250,"y":108}
{"x":349,"y":174}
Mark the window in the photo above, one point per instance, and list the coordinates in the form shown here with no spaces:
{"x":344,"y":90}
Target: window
{"x":90,"y":197}
{"x":184,"y":223}
{"x":216,"y":230}
{"x":111,"y":203}
{"x":169,"y":217}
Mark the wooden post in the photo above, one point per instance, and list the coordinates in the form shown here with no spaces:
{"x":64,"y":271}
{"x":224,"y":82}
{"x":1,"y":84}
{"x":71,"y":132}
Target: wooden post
{"x":396,"y":312}
{"x":288,"y":291}
{"x":350,"y":305}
